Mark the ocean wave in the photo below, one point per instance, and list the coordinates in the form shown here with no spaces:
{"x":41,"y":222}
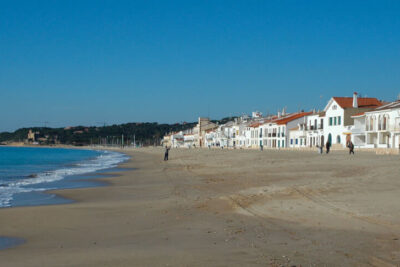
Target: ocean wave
{"x":106,"y":160}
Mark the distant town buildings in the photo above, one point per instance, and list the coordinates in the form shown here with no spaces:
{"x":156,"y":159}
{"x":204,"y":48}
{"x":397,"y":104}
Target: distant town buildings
{"x":31,"y":136}
{"x":365,"y":121}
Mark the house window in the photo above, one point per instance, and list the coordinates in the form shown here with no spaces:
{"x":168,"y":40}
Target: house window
{"x":283,"y":143}
{"x":339,"y":120}
{"x":330,"y":121}
{"x":291,"y":141}
{"x":338,"y":139}
{"x":335,"y":121}
{"x":385,"y":120}
{"x":297,"y":141}
{"x":372,"y":122}
{"x":279,"y":143}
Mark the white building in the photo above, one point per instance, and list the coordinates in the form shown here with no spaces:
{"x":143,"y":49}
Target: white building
{"x":177,"y":139}
{"x":338,"y":120}
{"x":314,"y":126}
{"x":276,"y":131}
{"x":358,"y":130}
{"x":382,"y":126}
{"x":189,"y":140}
{"x":297,"y":136}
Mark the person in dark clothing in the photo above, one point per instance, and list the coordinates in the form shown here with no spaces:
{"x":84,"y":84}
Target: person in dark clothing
{"x":166,"y":153}
{"x":351,"y":148}
{"x":328,"y":147}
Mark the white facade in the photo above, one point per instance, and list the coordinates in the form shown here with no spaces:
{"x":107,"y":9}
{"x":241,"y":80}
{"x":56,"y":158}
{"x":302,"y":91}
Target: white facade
{"x":358,"y":131}
{"x":177,"y":139}
{"x":297,"y":137}
{"x":333,"y":124}
{"x":189,"y":140}
{"x":339,"y":121}
{"x":382,"y":126}
{"x":314,"y":126}
{"x":276,"y":131}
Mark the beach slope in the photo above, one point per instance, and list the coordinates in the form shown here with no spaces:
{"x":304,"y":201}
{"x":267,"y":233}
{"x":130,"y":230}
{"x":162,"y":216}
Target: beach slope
{"x":220,"y":208}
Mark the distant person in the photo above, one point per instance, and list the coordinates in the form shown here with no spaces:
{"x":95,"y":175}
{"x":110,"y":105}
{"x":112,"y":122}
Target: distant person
{"x":166,"y":153}
{"x":261,"y":147}
{"x":328,"y":147}
{"x":351,"y":148}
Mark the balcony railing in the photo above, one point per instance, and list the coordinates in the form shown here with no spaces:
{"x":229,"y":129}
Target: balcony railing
{"x":389,"y":127}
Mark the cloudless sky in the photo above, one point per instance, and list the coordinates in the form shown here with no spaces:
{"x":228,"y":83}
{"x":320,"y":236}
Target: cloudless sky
{"x":88,"y":62}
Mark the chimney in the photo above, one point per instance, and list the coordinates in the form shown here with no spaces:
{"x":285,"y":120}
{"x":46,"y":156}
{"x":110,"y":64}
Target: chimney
{"x":279,"y":114}
{"x":355,"y":102}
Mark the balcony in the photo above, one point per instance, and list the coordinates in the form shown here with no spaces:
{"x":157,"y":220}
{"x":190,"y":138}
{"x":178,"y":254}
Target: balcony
{"x":388,"y":128}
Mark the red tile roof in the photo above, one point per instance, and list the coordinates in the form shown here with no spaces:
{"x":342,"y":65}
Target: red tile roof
{"x":363,"y":102}
{"x":292,"y":117}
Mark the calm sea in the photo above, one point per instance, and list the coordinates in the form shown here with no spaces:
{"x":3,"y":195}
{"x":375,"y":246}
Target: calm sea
{"x":25,"y":173}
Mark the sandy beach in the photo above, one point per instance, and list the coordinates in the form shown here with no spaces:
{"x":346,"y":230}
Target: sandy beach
{"x":220,"y":208}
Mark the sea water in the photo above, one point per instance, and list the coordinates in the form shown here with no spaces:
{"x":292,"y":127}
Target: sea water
{"x":26,"y":172}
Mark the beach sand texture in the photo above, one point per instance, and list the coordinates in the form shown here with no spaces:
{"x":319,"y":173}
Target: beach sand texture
{"x":221,"y":208}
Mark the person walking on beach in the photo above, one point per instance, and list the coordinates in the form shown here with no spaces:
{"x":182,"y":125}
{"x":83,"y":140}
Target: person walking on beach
{"x":166,"y":153}
{"x":351,"y":148}
{"x":328,"y":147}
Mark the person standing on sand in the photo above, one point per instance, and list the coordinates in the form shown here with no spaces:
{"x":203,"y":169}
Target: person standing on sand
{"x":328,"y":147}
{"x":166,"y":153}
{"x":351,"y":148}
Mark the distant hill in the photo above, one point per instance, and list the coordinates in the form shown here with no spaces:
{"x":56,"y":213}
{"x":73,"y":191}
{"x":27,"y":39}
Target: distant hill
{"x":143,"y":133}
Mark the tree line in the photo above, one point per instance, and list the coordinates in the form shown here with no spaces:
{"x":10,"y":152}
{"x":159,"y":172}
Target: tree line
{"x":146,"y":133}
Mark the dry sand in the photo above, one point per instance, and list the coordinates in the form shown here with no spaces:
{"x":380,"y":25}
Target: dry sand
{"x":221,"y":208}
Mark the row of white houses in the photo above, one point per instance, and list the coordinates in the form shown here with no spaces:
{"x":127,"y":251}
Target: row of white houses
{"x":367,"y":122}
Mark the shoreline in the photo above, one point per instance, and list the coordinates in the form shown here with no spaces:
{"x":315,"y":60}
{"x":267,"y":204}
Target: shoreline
{"x":202,"y":207}
{"x":7,"y":242}
{"x":91,"y":178}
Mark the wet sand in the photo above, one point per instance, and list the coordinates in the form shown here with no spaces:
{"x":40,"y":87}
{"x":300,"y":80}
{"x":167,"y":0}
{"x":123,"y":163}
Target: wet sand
{"x":221,"y":208}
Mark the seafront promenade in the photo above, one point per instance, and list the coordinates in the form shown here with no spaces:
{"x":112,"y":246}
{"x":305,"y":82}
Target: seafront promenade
{"x":221,"y":208}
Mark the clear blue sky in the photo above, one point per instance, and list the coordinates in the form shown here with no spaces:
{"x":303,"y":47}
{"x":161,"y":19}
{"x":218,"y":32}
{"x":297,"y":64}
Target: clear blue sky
{"x":85,"y":62}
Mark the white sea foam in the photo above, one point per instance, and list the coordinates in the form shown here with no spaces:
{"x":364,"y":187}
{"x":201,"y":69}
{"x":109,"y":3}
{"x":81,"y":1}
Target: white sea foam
{"x":105,"y":160}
